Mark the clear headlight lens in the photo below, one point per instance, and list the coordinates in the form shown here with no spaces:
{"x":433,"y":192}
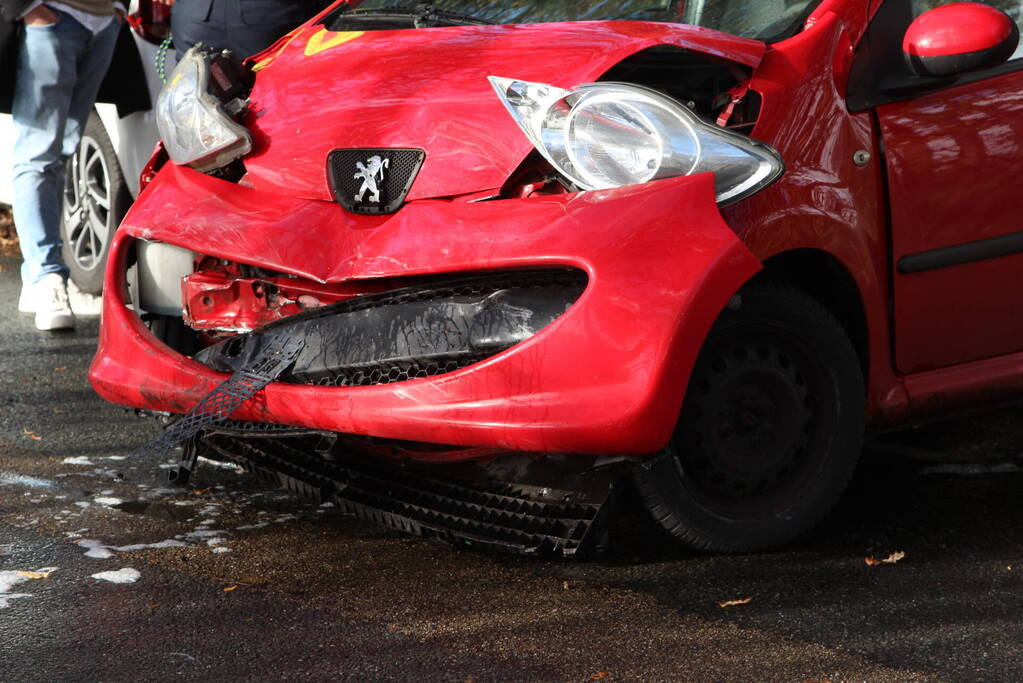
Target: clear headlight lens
{"x":610,"y":134}
{"x":195,"y":129}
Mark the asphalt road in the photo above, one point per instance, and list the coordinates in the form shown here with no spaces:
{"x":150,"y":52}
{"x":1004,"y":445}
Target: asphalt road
{"x":237,"y":582}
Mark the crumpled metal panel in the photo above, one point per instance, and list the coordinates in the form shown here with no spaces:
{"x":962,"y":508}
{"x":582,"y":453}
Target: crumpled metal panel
{"x":323,"y":93}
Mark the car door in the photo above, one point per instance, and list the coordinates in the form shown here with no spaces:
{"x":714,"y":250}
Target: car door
{"x":953,"y":157}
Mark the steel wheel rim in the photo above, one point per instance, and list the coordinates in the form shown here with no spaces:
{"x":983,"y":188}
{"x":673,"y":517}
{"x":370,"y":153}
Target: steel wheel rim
{"x":87,"y":200}
{"x":806,"y":415}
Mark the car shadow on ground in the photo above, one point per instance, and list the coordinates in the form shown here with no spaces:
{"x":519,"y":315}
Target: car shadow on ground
{"x":946,"y":495}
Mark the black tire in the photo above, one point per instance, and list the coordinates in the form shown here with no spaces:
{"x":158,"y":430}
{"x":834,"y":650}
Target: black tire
{"x":770,"y":428}
{"x":95,"y":200}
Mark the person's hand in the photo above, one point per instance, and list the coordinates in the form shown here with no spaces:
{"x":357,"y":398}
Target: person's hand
{"x":40,"y":16}
{"x":164,"y":2}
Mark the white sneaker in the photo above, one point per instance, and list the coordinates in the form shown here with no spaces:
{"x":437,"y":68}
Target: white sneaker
{"x":49,"y":301}
{"x":83,"y":303}
{"x":25,"y":302}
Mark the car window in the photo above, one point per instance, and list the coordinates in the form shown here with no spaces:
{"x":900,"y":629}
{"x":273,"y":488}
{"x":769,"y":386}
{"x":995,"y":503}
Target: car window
{"x":767,"y":20}
{"x":1014,"y":8}
{"x":764,"y":19}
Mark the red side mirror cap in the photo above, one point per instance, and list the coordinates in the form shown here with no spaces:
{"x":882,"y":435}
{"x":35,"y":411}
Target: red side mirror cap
{"x":960,"y":37}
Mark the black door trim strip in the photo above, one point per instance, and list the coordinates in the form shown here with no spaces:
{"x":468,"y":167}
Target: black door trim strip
{"x":981,"y":250}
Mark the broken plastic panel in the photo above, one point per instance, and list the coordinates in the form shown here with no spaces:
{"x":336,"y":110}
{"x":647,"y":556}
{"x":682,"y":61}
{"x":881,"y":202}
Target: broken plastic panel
{"x":412,"y":332}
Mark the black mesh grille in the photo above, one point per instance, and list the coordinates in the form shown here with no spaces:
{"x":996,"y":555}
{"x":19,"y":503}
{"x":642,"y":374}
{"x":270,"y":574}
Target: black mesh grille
{"x":401,"y":371}
{"x":398,"y":371}
{"x":499,"y":515}
{"x":373,"y":180}
{"x":338,"y":358}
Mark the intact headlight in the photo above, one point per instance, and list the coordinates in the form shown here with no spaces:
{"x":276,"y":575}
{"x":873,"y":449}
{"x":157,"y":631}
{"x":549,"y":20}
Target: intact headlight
{"x":607,"y":135}
{"x":193,"y":124}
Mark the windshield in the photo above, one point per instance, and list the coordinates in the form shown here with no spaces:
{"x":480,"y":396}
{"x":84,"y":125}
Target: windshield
{"x":766,"y":20}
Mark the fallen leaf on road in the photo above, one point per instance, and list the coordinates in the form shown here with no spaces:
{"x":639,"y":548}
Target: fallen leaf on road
{"x":891,"y":559}
{"x":60,"y":368}
{"x":41,"y":574}
{"x":734,"y":603}
{"x":201,"y":492}
{"x":32,"y":435}
{"x":599,"y":674}
{"x":243,"y":582}
{"x":247,"y":580}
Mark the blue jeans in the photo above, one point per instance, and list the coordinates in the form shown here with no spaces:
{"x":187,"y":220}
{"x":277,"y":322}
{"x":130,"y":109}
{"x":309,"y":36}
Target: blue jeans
{"x":60,"y":68}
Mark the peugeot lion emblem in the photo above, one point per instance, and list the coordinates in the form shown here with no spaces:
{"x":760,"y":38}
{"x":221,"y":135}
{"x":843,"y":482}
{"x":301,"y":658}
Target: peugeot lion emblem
{"x":372,"y":176}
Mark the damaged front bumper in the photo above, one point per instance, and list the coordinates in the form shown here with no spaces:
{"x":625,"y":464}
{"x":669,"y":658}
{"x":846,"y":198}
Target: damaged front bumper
{"x":597,"y":363}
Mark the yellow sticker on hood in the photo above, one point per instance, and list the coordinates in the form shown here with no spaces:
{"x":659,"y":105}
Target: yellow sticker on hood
{"x":324,"y":40}
{"x":276,"y":48}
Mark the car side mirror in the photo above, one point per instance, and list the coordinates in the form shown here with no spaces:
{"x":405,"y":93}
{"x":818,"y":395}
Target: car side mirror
{"x":959,"y":37}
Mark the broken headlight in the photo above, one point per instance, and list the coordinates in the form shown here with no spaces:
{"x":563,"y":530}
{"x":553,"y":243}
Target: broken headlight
{"x":194,"y":110}
{"x":607,"y":135}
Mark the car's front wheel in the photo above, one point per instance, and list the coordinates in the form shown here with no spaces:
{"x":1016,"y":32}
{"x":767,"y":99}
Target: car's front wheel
{"x":770,"y":428}
{"x":95,"y":200}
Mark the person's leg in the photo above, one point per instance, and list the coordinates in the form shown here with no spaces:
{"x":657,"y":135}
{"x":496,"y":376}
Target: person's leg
{"x":93,"y":62}
{"x":47,"y":66}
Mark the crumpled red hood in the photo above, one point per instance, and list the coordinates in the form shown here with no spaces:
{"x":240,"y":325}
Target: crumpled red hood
{"x":428,"y":89}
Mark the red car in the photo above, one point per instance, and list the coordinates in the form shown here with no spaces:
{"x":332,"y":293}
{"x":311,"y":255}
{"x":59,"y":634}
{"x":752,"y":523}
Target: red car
{"x":467,"y":267}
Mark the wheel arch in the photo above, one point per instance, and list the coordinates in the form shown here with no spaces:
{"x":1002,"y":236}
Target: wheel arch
{"x":826,"y":279}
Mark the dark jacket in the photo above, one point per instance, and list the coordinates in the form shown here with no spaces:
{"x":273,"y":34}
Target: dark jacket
{"x":9,"y":9}
{"x":12,"y":9}
{"x":124,"y":84}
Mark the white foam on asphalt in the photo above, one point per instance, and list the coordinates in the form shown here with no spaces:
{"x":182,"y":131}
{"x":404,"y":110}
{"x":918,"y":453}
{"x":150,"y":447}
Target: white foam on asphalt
{"x":9,"y":579}
{"x":95,"y":549}
{"x":169,"y":543}
{"x":11,"y":478}
{"x":123,"y":575}
{"x":101,"y":551}
{"x":5,"y":598}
